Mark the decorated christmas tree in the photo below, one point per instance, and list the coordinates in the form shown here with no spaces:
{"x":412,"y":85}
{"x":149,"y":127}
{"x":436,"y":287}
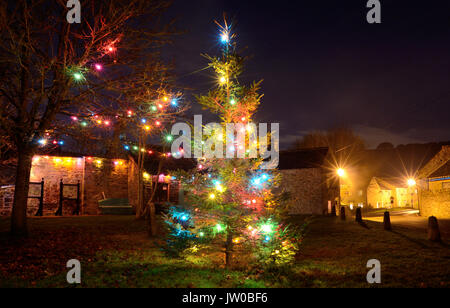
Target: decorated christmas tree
{"x":233,"y":206}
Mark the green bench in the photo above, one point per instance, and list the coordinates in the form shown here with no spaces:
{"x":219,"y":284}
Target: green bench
{"x":115,"y":207}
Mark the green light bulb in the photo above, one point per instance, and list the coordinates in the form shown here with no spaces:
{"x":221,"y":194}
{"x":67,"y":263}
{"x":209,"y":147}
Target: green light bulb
{"x":78,"y":76}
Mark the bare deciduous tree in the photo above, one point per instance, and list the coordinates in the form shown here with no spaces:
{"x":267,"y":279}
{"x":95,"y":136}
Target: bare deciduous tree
{"x":49,"y":71}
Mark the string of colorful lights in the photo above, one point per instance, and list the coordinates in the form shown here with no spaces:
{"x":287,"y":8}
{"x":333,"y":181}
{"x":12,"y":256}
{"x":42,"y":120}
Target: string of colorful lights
{"x":149,"y":120}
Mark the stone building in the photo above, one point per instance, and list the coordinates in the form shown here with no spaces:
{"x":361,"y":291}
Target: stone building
{"x":113,"y":181}
{"x":391,"y":193}
{"x":99,"y":179}
{"x":434,"y":186}
{"x":374,"y":176}
{"x":305,"y":178}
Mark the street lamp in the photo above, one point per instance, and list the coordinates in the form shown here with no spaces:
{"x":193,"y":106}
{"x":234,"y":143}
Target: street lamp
{"x":341,"y":173}
{"x":412,"y":183}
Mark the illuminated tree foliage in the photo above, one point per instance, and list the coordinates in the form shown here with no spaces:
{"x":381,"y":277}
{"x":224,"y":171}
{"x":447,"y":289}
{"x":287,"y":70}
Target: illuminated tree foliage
{"x":232,"y":202}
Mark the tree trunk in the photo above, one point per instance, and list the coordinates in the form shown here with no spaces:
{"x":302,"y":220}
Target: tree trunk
{"x":19,"y":211}
{"x":152,"y":224}
{"x":229,"y":250}
{"x":140,"y":210}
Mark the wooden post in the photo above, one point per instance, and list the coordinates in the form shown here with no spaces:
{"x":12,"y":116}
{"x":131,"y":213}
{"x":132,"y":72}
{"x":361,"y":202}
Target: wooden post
{"x":387,"y":221}
{"x":342,"y":212}
{"x":434,"y":234}
{"x":358,"y":215}
{"x":61,"y":195}
{"x":152,"y":223}
{"x":78,"y":206}
{"x":40,"y":211}
{"x":168,"y":191}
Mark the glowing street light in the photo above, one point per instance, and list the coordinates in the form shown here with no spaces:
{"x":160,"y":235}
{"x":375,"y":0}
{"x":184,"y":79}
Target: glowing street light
{"x":341,"y":173}
{"x":412,"y":182}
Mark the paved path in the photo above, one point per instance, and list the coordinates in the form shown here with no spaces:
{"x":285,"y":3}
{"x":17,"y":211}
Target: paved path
{"x":415,"y":222}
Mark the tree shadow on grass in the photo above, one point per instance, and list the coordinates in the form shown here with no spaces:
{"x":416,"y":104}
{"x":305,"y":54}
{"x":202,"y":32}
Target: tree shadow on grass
{"x":421,"y":243}
{"x":363,"y":224}
{"x":410,"y":239}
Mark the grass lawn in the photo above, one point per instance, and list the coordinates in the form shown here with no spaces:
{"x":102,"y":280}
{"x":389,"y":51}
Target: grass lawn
{"x":115,"y":252}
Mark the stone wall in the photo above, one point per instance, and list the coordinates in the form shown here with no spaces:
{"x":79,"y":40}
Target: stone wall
{"x":435,"y":203}
{"x":307,"y":189}
{"x":133,"y":183}
{"x":99,"y":178}
{"x":53,"y":170}
{"x":103,"y":178}
{"x":6,"y":199}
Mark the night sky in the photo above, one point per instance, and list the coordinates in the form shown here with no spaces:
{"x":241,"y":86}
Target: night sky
{"x":324,"y":66}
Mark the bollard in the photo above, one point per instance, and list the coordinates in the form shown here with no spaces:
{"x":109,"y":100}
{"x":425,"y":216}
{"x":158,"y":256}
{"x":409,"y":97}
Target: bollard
{"x":342,"y":213}
{"x":333,"y":211}
{"x":358,"y":215}
{"x":434,"y":234}
{"x":387,"y":221}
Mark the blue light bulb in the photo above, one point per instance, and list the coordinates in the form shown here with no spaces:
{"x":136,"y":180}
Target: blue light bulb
{"x":225,"y":38}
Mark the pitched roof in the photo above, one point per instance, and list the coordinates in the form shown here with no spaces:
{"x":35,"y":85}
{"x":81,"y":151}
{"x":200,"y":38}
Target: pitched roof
{"x":394,"y":164}
{"x":302,"y":159}
{"x":390,"y":183}
{"x":442,"y":171}
{"x":437,"y":165}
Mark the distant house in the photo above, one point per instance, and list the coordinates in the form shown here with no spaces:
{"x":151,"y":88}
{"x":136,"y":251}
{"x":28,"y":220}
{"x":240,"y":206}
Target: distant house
{"x":304,"y":176}
{"x":391,"y":193}
{"x":376,"y":178}
{"x":434,"y":183}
